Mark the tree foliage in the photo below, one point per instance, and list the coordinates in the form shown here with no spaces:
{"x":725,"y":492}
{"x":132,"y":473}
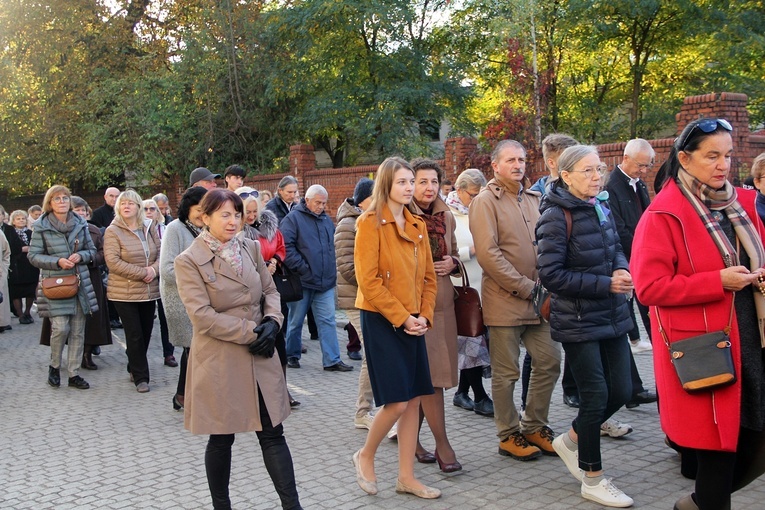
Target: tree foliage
{"x":94,"y":91}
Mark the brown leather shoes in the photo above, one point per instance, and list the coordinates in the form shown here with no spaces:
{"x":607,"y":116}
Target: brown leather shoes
{"x":517,"y":447}
{"x":542,"y":439}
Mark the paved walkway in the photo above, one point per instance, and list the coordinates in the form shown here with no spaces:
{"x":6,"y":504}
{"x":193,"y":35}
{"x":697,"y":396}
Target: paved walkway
{"x":112,"y":448}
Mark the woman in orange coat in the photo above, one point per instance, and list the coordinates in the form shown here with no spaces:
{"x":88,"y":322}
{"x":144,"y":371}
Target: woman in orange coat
{"x":397,"y":295}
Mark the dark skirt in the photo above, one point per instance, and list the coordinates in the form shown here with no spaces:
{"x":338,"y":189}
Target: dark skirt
{"x":22,"y":290}
{"x":397,"y":362}
{"x":97,"y":328}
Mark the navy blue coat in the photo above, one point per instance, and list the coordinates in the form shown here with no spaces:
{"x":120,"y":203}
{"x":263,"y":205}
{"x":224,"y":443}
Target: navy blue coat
{"x":310,"y":242}
{"x":578,"y":272}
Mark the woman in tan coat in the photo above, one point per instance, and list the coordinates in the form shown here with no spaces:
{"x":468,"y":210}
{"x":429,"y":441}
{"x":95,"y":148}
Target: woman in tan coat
{"x":131,"y":249}
{"x":442,"y":339}
{"x":234,"y":382}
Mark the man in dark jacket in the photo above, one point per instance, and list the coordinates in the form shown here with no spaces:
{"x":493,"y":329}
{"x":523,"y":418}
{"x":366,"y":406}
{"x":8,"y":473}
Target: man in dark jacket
{"x":104,"y":215}
{"x":628,"y":198}
{"x":102,"y":218}
{"x":309,"y":239}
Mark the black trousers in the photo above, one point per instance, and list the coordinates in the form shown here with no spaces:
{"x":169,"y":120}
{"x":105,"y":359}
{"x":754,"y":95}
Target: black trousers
{"x":138,"y":321}
{"x":181,"y":389}
{"x":276,"y":457}
{"x":720,"y":474}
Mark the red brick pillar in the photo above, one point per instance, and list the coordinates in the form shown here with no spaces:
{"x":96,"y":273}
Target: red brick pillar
{"x":726,"y":105}
{"x":458,"y":152}
{"x":302,"y":160}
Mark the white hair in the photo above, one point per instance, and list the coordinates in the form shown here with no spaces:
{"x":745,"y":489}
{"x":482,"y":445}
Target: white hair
{"x":316,"y":189}
{"x":638,"y":146}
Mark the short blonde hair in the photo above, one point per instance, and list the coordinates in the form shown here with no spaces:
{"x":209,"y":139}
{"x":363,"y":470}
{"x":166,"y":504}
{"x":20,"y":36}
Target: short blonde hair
{"x":53,"y":191}
{"x":129,"y":195}
{"x":18,"y":212}
{"x":758,"y":167}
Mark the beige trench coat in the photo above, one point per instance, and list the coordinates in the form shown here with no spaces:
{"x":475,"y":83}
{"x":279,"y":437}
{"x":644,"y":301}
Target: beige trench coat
{"x":223,"y":377}
{"x":441,"y":339}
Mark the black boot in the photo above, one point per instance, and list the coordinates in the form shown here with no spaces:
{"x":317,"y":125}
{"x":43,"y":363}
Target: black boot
{"x":54,"y":377}
{"x":218,"y":467}
{"x":87,"y":359}
{"x":278,"y":462}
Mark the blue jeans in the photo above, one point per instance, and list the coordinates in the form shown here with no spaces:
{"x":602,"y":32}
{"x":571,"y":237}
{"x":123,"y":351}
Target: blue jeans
{"x":601,"y":369}
{"x":323,"y":306}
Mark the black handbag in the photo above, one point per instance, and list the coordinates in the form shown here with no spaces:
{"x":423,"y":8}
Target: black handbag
{"x":540,"y":298}
{"x":467,"y":307}
{"x":288,"y":284}
{"x":703,"y":362}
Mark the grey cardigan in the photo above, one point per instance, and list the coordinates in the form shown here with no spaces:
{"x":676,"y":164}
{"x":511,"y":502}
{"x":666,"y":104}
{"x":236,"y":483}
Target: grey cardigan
{"x":47,"y":246}
{"x":175,"y":240}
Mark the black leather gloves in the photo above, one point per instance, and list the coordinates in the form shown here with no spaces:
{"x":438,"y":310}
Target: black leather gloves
{"x":264,"y":344}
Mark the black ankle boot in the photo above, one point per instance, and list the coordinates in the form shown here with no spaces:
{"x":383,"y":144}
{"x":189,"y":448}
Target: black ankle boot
{"x":54,"y":377}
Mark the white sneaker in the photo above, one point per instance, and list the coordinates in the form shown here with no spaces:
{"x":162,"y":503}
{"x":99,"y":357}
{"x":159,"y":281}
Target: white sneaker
{"x":640,"y":345}
{"x":363,"y":422}
{"x":607,"y":494}
{"x":615,"y":428}
{"x":570,"y":458}
{"x":393,"y":432}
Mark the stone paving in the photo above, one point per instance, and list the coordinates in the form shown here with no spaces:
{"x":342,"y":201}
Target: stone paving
{"x":110,"y":447}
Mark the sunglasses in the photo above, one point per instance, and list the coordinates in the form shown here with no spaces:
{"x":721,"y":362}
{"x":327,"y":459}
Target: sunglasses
{"x":705,"y":126}
{"x":246,"y":194}
{"x":149,"y":208}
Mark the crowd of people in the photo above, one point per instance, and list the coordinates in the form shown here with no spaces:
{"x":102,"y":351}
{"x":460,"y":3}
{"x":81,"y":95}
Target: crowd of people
{"x":687,"y":263}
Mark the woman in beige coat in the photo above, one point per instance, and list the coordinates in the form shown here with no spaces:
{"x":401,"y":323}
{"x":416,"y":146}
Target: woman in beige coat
{"x":131,"y":249}
{"x":234,"y":383}
{"x":441,"y":341}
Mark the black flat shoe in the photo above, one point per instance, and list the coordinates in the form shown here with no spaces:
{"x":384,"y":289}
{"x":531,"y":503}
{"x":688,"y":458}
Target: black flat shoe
{"x":78,"y":382}
{"x":54,"y":377}
{"x":339,"y":367}
{"x":571,"y":400}
{"x":177,"y":403}
{"x":293,"y":362}
{"x":644,"y":397}
{"x":294,"y":403}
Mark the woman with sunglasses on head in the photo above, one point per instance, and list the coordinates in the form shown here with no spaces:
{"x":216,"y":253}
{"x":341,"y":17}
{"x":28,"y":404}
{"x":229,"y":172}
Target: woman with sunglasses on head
{"x":61,"y":246}
{"x":583,"y":266}
{"x":179,"y":235}
{"x":152,"y":212}
{"x":697,"y":262}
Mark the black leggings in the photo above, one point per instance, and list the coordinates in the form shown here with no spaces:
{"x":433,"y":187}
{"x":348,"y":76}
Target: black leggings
{"x":472,"y":378}
{"x":181,"y":389}
{"x":722,"y":473}
{"x":276,"y":457}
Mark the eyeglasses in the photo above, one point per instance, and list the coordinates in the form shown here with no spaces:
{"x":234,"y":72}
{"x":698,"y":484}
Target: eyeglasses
{"x":591,"y":170}
{"x":246,"y":194}
{"x":149,"y":208}
{"x":471,"y":195}
{"x":644,"y":166}
{"x":61,"y":199}
{"x":705,"y":126}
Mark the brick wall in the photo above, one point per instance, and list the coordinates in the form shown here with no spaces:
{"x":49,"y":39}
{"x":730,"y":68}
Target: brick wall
{"x":340,"y":182}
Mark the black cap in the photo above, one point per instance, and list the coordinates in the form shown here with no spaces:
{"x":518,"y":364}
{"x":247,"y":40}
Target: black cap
{"x":201,"y":174}
{"x":363,"y":190}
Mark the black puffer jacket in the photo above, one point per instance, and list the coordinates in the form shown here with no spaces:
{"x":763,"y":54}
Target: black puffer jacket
{"x":578,"y":272}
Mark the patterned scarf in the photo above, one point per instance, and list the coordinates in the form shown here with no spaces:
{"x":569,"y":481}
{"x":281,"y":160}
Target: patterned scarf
{"x":230,"y":251}
{"x":705,"y":201}
{"x":597,"y":201}
{"x":22,"y":233}
{"x":436,"y":224}
{"x":453,"y":201}
{"x":195,"y":231}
